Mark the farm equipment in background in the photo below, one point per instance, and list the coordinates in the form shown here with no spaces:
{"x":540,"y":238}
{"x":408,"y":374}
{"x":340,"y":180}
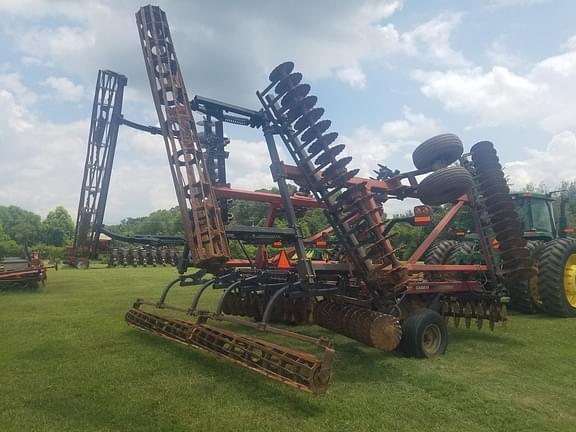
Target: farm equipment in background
{"x":552,"y":289}
{"x":16,"y":272}
{"x":105,"y":121}
{"x":366,"y":292}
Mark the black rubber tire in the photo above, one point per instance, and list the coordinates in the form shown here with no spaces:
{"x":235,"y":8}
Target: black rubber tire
{"x":438,"y":151}
{"x":463,"y":248}
{"x":522,"y":299}
{"x":416,"y":330}
{"x":444,"y":186}
{"x":551,"y":266}
{"x":439,"y":252}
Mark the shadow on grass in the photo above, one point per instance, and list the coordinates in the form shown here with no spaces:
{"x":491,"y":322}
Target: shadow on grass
{"x":463,"y":335}
{"x":20,"y":287}
{"x":258,"y":388}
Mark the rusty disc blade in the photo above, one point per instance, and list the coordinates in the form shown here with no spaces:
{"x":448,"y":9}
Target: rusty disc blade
{"x":323,"y":142}
{"x":481,"y":146}
{"x":295,"y":95}
{"x":309,"y":119}
{"x":512,"y":254}
{"x":512,"y":244}
{"x":506,"y":224}
{"x":328,"y":154}
{"x":287,"y":83}
{"x":280,"y":71}
{"x":315,"y":131}
{"x":337,"y":167}
{"x":301,"y":107}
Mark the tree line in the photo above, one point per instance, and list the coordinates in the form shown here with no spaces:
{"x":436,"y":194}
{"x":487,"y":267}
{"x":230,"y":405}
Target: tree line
{"x":19,"y":227}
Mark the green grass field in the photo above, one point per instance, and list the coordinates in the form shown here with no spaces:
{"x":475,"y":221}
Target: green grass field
{"x":69,"y":362}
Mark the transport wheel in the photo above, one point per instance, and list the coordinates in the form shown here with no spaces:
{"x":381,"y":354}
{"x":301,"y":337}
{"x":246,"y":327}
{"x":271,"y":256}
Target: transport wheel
{"x":438,"y":151}
{"x":439,"y":252}
{"x":525,"y":294}
{"x":424,"y":335}
{"x":444,"y":186}
{"x":557,"y":277}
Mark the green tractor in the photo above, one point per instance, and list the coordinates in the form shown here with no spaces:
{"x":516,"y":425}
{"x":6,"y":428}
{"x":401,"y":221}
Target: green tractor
{"x":553,"y":288}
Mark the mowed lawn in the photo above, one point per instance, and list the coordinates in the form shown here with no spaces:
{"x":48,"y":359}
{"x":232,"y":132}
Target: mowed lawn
{"x":69,"y":362}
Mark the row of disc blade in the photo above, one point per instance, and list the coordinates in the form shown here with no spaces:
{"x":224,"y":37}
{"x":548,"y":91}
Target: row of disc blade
{"x":517,"y":262}
{"x":357,"y":217}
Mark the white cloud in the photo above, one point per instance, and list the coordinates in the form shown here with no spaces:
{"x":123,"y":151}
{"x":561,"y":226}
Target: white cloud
{"x":12,"y":82}
{"x":64,"y":46}
{"x":432,"y":40}
{"x":544,"y":95}
{"x":550,"y":166}
{"x":497,"y":4}
{"x":353,"y":76}
{"x":369,"y":147}
{"x":331,"y":39}
{"x":64,"y":89}
{"x":500,"y":55}
{"x":490,"y":98}
{"x":45,"y":158}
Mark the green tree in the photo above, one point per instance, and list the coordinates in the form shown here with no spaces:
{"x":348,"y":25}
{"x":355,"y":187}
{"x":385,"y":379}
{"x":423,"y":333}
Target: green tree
{"x":57,"y":228}
{"x":8,"y":247}
{"x":21,"y":225}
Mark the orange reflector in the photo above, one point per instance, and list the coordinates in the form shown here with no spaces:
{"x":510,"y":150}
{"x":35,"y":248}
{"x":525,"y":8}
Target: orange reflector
{"x":321,"y":243}
{"x":283,"y":261}
{"x":422,"y":220}
{"x":277,"y":244}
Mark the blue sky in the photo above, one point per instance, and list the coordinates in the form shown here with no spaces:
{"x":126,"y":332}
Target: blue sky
{"x":390,"y":74}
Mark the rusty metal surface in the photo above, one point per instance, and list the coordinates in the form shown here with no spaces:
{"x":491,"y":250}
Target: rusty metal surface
{"x":199,"y":208}
{"x":372,"y":328}
{"x":475,"y":311}
{"x":295,"y":368}
{"x":496,"y":202}
{"x":105,"y":121}
{"x":292,"y":110}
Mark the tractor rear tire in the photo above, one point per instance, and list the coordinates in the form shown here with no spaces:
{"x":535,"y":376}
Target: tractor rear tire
{"x":440,"y":251}
{"x":465,"y":248}
{"x":424,"y":335}
{"x":438,"y":151}
{"x":444,"y":186}
{"x":524,"y":295}
{"x":557,"y":277}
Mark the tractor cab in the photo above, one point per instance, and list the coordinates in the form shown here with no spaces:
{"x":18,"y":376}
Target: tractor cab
{"x":536,"y":214}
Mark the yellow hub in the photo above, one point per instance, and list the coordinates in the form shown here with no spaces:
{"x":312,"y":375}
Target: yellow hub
{"x":570,"y":280}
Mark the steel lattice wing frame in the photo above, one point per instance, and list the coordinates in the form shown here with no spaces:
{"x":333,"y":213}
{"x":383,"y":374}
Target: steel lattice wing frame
{"x":106,"y":119}
{"x":203,"y":224}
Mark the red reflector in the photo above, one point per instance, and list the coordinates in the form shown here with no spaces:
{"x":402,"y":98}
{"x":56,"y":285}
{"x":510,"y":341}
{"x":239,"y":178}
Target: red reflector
{"x":277,"y":244}
{"x":321,"y":243}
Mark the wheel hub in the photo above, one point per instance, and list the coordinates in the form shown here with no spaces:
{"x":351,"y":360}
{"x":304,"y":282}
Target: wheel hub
{"x":570,"y":280}
{"x":431,"y":339}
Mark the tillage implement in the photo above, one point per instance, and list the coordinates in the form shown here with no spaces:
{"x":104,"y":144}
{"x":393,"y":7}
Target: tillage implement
{"x":360,"y":287}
